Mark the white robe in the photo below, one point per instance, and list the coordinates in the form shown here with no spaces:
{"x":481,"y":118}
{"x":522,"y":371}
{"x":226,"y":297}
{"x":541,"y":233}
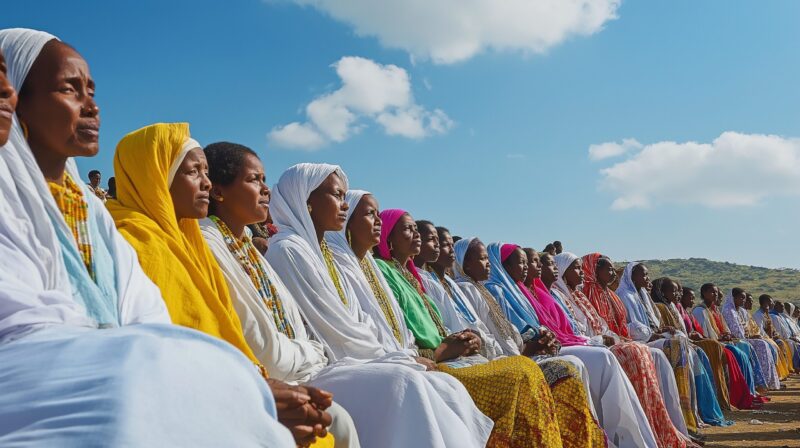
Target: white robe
{"x":434,"y":410}
{"x":148,"y":384}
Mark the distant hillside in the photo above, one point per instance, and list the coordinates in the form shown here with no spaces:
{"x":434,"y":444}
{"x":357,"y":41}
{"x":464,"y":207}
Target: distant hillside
{"x":780,"y":283}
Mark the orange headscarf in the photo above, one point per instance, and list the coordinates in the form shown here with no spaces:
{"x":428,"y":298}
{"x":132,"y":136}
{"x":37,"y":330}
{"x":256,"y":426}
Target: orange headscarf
{"x":604,"y":300}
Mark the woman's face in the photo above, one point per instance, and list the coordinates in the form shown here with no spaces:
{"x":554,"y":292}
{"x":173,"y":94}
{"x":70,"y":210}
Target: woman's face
{"x":446,"y":254}
{"x":738,"y":299}
{"x":8,"y":102}
{"x":328,"y":207}
{"x":57,"y":105}
{"x":364,"y":227}
{"x":549,"y":269}
{"x":516,"y":265}
{"x":404,"y":239}
{"x":710,"y":295}
{"x":429,"y":250}
{"x":574,"y":274}
{"x":190,"y":188}
{"x":476,"y":262}
{"x":605,"y":272}
{"x":246,"y":199}
{"x":668,"y":289}
{"x":640,"y":276}
{"x":687,"y":300}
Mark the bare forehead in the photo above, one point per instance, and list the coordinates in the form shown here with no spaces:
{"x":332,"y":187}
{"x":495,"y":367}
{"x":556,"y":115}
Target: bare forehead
{"x":58,"y":58}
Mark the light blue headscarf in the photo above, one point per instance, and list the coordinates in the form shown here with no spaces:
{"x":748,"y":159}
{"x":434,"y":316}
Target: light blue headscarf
{"x":515,"y":307}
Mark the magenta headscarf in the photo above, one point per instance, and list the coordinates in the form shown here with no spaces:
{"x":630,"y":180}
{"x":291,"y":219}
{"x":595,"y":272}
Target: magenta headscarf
{"x":389,"y":217}
{"x":506,"y":250}
{"x":550,"y":314}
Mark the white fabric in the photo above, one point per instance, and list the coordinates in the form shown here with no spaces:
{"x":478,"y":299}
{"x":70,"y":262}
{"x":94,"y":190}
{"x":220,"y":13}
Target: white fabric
{"x":188,"y":145}
{"x":294,"y":360}
{"x":409,"y":407}
{"x":135,"y":385}
{"x":39,"y":293}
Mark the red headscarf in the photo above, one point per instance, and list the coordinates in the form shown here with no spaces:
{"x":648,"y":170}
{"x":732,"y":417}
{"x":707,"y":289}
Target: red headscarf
{"x":604,"y":300}
{"x":389,"y":217}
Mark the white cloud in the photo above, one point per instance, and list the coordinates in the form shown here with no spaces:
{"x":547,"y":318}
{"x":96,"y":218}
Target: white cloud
{"x":734,"y":170}
{"x":369,"y":92}
{"x":448,"y":31}
{"x":612,"y":149}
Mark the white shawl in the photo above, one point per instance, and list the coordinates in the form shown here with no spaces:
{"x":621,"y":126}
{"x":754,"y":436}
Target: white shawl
{"x":349,"y":265}
{"x":295,"y":255}
{"x":295,"y":360}
{"x":35,"y":290}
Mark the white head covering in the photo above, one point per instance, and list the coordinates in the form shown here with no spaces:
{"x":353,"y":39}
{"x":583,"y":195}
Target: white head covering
{"x":563,"y":261}
{"x":295,"y":255}
{"x":188,"y":145}
{"x":35,"y":289}
{"x":348,"y":263}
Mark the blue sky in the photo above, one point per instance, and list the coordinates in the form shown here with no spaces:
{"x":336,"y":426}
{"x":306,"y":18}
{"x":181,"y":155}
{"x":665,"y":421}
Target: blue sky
{"x":511,"y":161}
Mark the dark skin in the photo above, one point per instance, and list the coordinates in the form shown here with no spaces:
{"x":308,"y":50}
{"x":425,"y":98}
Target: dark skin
{"x":190,"y":187}
{"x":406,"y":242}
{"x":57,"y":105}
{"x":364,"y":233}
{"x":517,"y":266}
{"x":673,"y":293}
{"x":710,"y":297}
{"x":430,"y":250}
{"x":301,"y":409}
{"x":748,"y":302}
{"x":739,"y":300}
{"x":573,"y":277}
{"x":95,"y":179}
{"x":8,"y":102}
{"x":687,"y":302}
{"x":328,"y":207}
{"x":246,"y":200}
{"x":364,"y":226}
{"x":446,"y":255}
{"x":533,"y":265}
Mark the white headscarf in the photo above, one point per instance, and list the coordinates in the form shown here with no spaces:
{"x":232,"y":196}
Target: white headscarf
{"x":640,"y":308}
{"x":35,"y":288}
{"x":348,"y":263}
{"x":295,"y":255}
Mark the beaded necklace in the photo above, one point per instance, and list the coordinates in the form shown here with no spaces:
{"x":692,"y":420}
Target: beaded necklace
{"x":327,"y":255}
{"x":507,"y":331}
{"x":437,"y":320}
{"x":380,"y":295}
{"x":250,"y":261}
{"x":70,"y":201}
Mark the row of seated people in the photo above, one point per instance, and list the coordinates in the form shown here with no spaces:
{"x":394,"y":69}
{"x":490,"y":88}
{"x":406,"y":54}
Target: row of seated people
{"x":158,"y":322}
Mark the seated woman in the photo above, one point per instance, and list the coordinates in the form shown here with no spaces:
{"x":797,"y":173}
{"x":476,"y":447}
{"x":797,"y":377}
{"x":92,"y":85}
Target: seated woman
{"x":542,"y":309}
{"x":714,"y":327}
{"x":161,"y":222}
{"x":783,"y":362}
{"x":599,"y":274}
{"x":617,"y":407}
{"x":764,"y":321}
{"x":737,"y":318}
{"x":666,"y":297}
{"x":65,"y":273}
{"x":644,"y":325}
{"x":399,"y":243}
{"x":434,"y":409}
{"x":271,"y":321}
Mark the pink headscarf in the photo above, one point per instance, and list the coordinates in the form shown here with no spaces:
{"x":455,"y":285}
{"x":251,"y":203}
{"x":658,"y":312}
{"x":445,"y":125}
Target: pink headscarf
{"x":389,"y":218}
{"x":550,"y":314}
{"x":506,"y":250}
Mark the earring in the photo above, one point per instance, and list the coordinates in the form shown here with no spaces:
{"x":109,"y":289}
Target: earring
{"x":24,"y":129}
{"x":220,"y":199}
{"x":309,"y":207}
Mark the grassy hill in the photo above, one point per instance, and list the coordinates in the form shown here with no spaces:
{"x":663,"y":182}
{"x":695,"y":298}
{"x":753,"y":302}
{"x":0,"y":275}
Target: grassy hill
{"x":780,"y":283}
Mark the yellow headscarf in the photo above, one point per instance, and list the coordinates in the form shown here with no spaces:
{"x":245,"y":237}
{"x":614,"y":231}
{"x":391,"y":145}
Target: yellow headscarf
{"x":174,"y":255}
